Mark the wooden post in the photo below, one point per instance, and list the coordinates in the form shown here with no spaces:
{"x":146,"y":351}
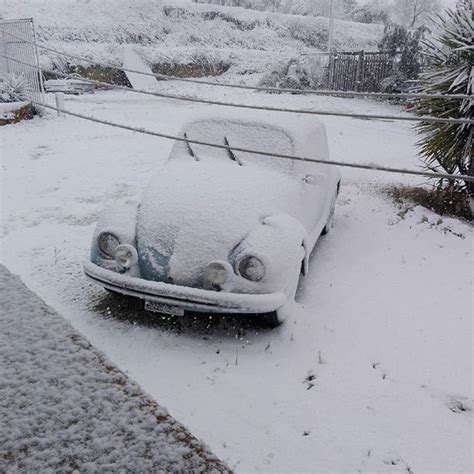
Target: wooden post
{"x":360,"y":70}
{"x":331,"y":71}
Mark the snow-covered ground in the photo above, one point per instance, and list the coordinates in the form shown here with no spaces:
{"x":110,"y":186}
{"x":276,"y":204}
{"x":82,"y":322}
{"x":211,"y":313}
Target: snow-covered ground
{"x":374,"y":370}
{"x":64,"y":407}
{"x":173,"y":32}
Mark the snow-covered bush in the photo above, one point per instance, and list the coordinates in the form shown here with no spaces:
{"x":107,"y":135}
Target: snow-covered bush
{"x":343,"y":9}
{"x":292,"y":75}
{"x":405,"y":48}
{"x":448,"y":146}
{"x":14,"y":88}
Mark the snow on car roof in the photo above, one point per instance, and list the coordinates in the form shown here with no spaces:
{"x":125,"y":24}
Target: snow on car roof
{"x":271,"y":132}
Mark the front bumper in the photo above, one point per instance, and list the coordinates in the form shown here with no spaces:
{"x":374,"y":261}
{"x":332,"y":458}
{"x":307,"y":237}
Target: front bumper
{"x":191,"y":299}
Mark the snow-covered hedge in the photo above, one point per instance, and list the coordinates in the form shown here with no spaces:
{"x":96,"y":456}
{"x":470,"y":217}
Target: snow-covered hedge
{"x":167,"y":31}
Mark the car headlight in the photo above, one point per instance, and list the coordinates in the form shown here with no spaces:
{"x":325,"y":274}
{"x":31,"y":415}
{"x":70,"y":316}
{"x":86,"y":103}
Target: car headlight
{"x":108,"y":244}
{"x":126,"y":256}
{"x":216,"y":273}
{"x":251,"y":268}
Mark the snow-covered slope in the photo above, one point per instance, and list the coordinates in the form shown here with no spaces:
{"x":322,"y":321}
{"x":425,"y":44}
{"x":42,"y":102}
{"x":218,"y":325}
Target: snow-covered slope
{"x":170,"y":31}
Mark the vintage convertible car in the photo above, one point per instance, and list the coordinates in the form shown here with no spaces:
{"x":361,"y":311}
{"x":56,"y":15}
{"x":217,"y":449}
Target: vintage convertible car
{"x":220,"y":230}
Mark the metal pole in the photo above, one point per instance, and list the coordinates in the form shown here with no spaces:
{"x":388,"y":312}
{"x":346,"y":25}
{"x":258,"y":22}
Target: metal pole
{"x":40,"y":73}
{"x":331,"y":27}
{"x":60,"y":103}
{"x":4,"y":41}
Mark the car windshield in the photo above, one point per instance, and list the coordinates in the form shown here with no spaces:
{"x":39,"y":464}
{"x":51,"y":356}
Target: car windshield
{"x":236,"y":134}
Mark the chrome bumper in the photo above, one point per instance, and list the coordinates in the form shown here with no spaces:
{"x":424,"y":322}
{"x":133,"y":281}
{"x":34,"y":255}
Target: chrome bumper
{"x":191,"y":299}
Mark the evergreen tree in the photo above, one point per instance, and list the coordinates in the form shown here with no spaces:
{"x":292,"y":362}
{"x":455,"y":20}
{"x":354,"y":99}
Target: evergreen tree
{"x":405,"y":49}
{"x":451,"y":71}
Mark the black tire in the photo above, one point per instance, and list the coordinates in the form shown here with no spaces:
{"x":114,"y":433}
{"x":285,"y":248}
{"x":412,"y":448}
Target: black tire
{"x":270,"y":320}
{"x":327,"y":227}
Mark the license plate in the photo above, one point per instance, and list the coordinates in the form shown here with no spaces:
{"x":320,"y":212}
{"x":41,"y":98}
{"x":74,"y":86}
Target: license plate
{"x":155,"y":307}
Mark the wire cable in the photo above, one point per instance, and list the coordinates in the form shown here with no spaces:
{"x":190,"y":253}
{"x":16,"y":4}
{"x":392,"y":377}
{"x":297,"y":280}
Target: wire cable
{"x":322,"y":92}
{"x":252,"y":107}
{"x":372,"y":167}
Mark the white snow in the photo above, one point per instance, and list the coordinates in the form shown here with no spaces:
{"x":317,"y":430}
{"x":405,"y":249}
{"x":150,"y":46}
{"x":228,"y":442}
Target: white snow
{"x":132,"y":61}
{"x":7,"y":109}
{"x":373,"y":372}
{"x":65,"y":407}
{"x":181,"y":33}
{"x":198,"y":209}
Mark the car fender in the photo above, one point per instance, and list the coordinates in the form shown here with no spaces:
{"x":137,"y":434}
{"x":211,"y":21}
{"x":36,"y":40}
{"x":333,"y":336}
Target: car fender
{"x":278,"y":241}
{"x":119,"y":219}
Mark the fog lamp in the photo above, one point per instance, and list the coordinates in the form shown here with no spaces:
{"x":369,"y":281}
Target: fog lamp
{"x":126,"y":256}
{"x":216,"y":273}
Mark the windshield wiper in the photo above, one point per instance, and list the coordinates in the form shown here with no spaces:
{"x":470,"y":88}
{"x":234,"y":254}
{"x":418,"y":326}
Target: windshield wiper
{"x":191,"y":151}
{"x":232,"y":155}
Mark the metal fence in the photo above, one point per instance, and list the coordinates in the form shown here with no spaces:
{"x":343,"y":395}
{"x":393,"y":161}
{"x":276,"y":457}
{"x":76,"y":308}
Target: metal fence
{"x":23,"y":51}
{"x":358,"y":71}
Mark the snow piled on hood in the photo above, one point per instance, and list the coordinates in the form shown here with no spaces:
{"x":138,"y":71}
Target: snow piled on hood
{"x":201,"y":205}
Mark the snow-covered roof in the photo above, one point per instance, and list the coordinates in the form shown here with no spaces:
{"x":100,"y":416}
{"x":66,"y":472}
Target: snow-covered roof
{"x":283,"y":133}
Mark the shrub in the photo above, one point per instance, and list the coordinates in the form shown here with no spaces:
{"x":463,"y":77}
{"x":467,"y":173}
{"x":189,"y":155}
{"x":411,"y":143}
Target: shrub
{"x":292,"y":75}
{"x":14,"y":88}
{"x":448,"y":146}
{"x":405,"y":48}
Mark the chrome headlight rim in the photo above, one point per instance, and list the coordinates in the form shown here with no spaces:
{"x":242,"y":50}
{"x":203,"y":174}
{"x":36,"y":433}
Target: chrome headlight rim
{"x":217,"y":274}
{"x":106,"y":249}
{"x":126,"y":256}
{"x":251,"y":267}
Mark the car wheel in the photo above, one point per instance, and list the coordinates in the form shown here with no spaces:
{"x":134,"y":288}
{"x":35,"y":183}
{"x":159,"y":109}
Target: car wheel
{"x":330,"y":220}
{"x":279,"y":316}
{"x":271,"y":320}
{"x":328,"y":226}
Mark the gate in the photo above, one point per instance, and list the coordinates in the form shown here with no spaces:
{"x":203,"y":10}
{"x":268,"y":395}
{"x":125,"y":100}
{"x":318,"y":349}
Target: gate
{"x":358,"y":71}
{"x":17,"y":43}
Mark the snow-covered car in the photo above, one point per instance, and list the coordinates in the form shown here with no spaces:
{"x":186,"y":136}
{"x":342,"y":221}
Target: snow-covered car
{"x":219,"y":230}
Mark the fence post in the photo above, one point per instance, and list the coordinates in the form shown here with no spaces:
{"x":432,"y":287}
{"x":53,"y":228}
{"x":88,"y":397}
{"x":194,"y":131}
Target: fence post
{"x":331,"y":71}
{"x":360,"y":70}
{"x":59,"y":103}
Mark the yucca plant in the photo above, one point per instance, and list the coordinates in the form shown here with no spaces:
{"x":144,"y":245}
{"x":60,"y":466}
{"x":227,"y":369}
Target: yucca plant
{"x":450,"y":51}
{"x":14,"y":87}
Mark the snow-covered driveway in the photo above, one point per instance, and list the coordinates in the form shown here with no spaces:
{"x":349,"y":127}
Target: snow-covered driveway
{"x":373,"y":372}
{"x":65,"y":408}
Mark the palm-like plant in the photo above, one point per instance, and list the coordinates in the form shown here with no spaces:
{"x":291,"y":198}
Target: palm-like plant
{"x":450,"y":53}
{"x":14,"y":87}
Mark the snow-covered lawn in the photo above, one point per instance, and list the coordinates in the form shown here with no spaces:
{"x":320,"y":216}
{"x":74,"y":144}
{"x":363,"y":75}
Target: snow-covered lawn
{"x":374,"y":370}
{"x":64,"y":407}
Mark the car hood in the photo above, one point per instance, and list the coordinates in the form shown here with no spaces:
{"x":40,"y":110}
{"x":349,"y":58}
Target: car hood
{"x":195,"y":212}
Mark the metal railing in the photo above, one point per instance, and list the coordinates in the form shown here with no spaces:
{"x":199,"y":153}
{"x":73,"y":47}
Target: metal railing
{"x":23,"y":50}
